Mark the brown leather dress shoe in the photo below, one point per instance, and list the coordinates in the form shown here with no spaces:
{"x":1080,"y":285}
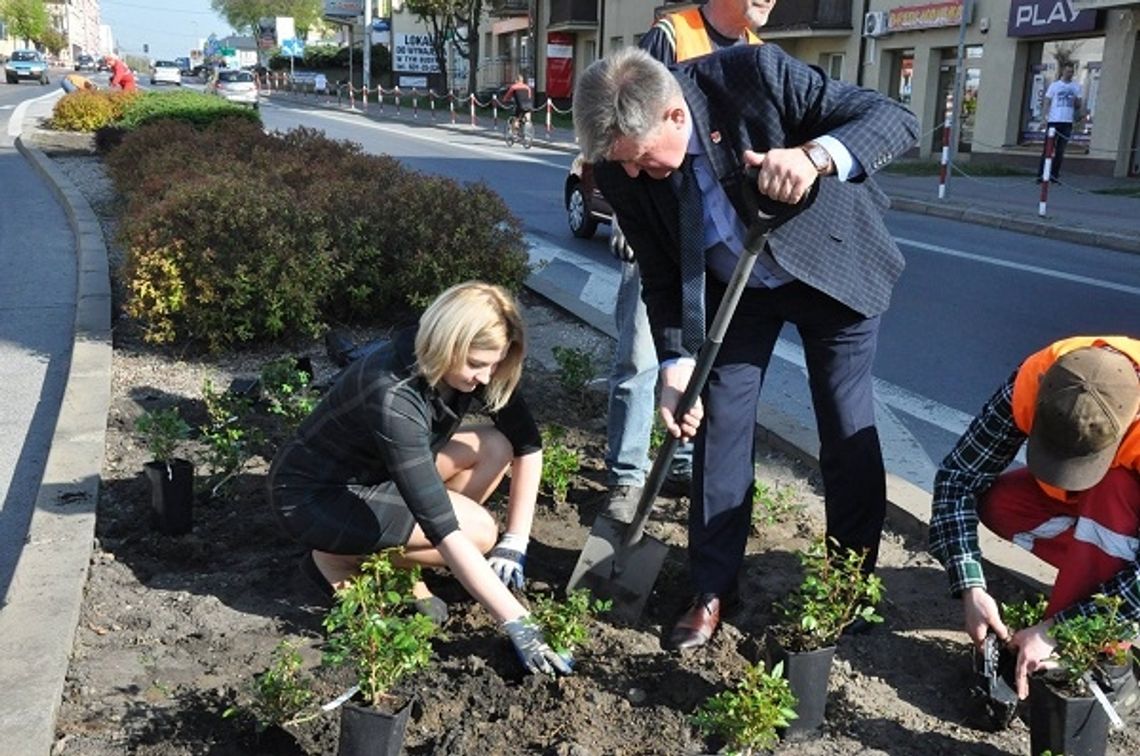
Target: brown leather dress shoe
{"x":697,"y":625}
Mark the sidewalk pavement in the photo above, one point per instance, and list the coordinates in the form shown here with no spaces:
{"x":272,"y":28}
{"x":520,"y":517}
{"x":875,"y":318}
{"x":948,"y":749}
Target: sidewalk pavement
{"x":41,"y":612}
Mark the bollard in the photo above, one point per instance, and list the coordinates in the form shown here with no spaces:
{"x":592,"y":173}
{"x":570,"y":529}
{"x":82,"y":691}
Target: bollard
{"x":945,"y":157}
{"x":351,"y":98}
{"x":451,"y":105}
{"x":549,"y":126}
{"x":494,"y":112}
{"x":431,"y":102}
{"x":397,"y":96}
{"x":364,"y":98}
{"x":415,"y":103}
{"x":1047,"y":170}
{"x":472,"y":109}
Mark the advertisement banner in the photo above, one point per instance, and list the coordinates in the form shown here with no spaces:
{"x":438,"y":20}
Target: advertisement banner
{"x":925,"y":16}
{"x":344,"y":8}
{"x":413,"y":53}
{"x":559,"y":64}
{"x":1035,"y":18}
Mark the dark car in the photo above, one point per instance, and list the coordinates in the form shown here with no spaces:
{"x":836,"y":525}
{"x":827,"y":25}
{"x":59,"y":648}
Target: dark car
{"x":85,"y":63}
{"x":585,"y":205}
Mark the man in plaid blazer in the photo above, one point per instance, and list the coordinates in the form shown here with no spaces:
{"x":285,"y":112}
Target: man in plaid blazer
{"x":828,"y":270}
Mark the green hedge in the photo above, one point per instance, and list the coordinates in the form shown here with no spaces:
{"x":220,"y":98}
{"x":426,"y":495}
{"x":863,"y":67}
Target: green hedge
{"x":86,"y":110}
{"x":234,"y":236}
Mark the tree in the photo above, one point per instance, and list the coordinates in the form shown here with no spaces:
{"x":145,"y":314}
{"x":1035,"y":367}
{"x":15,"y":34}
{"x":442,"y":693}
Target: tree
{"x":53,"y":40}
{"x":243,"y":15}
{"x":26,"y":19}
{"x":446,"y":18}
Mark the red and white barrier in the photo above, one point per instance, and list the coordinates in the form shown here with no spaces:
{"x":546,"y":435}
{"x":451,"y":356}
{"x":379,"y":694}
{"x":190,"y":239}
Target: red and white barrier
{"x":1047,"y":170}
{"x":945,"y":165}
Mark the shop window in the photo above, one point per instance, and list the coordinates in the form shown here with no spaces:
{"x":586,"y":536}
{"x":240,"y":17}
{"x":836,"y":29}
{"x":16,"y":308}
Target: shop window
{"x":902,"y":74}
{"x":616,"y":43}
{"x":1046,"y":61}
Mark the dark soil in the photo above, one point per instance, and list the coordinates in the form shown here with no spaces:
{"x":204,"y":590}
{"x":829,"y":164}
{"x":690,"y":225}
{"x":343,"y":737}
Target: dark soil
{"x":174,"y":628}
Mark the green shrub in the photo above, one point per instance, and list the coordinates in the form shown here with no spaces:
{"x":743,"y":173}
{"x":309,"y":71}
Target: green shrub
{"x":226,"y":262}
{"x":1025,"y":613}
{"x":288,"y":391}
{"x":161,"y":430}
{"x":82,"y":110}
{"x":192,"y":107}
{"x":565,"y":624}
{"x":1087,"y":643}
{"x":750,"y":716}
{"x":280,"y":693}
{"x":227,"y":434}
{"x":559,"y":463}
{"x":575,"y":369}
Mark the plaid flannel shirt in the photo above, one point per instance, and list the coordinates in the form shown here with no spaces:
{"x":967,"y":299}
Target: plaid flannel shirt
{"x":986,"y":449}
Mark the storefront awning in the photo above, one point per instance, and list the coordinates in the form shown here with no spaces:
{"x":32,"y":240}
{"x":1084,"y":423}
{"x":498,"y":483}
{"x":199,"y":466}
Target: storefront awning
{"x":508,"y":25}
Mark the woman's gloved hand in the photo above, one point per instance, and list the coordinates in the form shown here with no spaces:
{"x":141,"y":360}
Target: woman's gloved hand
{"x":508,"y":558}
{"x":532,"y":649}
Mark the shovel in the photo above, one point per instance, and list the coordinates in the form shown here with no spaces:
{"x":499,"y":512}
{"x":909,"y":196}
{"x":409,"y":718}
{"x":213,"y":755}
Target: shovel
{"x":619,"y":562}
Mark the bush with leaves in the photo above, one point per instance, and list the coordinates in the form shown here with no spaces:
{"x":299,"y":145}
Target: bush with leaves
{"x":834,"y":593}
{"x":559,"y":463}
{"x":82,"y":110}
{"x":374,"y":627}
{"x":161,"y":431}
{"x":565,"y":624}
{"x":1088,"y":643}
{"x":1023,"y":614}
{"x":184,"y":105}
{"x":750,"y":716}
{"x":288,"y":391}
{"x":227,"y":434}
{"x":575,"y":369}
{"x":279,"y":695}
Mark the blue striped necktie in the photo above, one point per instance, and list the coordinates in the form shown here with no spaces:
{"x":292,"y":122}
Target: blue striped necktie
{"x":690,"y":212}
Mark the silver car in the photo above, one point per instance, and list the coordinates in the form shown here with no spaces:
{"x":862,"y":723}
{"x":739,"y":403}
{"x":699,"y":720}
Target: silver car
{"x":165,"y":72}
{"x":235,"y":86}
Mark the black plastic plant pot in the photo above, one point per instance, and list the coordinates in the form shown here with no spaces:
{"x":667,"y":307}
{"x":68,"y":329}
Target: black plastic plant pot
{"x":172,"y":495}
{"x":368,"y":731}
{"x":807,"y":673}
{"x":1063,"y":724}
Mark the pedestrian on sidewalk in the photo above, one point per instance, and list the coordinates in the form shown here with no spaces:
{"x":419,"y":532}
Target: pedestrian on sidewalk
{"x":1074,"y":406}
{"x":74,"y":82}
{"x":671,"y":149}
{"x":383,"y":462}
{"x":633,"y":377}
{"x":1062,"y":104}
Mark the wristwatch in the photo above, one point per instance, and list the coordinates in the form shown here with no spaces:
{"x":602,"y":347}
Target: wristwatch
{"x":818,"y":157}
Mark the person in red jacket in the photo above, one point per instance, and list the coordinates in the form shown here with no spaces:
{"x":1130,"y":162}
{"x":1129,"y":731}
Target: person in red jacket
{"x":121,"y":75}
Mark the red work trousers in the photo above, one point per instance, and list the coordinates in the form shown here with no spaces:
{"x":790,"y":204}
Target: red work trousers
{"x":1088,"y":539}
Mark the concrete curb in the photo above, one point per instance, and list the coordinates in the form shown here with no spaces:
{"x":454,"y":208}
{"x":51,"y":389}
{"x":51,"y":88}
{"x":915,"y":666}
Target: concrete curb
{"x":38,"y":624}
{"x":1022,"y":225}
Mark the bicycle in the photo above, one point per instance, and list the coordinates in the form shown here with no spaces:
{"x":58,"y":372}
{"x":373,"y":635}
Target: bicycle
{"x":524,"y":134}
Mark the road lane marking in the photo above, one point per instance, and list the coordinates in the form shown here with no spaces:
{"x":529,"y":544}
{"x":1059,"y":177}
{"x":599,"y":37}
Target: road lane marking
{"x":1073,"y":277}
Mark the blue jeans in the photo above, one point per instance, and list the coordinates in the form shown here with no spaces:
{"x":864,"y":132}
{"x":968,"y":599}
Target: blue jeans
{"x":632,"y":381}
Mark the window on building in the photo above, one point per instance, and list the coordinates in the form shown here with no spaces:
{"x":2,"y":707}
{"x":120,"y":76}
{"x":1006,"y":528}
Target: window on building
{"x":833,"y":64}
{"x":590,"y":51}
{"x":616,"y":43}
{"x":1045,"y":62}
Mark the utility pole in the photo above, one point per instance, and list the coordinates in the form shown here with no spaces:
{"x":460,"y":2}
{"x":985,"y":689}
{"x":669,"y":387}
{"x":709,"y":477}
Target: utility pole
{"x":959,"y":82}
{"x":366,"y":74}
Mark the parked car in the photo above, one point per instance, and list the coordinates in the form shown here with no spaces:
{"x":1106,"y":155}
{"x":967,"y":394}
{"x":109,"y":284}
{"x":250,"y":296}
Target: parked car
{"x":234,"y":85}
{"x":26,"y":64}
{"x":183,"y":66}
{"x":85,"y":62}
{"x":165,"y":72}
{"x":585,"y":205}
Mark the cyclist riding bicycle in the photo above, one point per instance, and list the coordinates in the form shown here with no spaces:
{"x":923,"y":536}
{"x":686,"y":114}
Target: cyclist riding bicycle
{"x":520,"y":95}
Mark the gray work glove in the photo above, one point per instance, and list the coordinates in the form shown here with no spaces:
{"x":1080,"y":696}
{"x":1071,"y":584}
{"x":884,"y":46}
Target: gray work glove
{"x":532,"y":649}
{"x":508,"y":558}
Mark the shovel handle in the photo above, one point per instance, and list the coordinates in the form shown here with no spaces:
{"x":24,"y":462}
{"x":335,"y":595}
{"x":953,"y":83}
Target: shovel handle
{"x":763,"y":224}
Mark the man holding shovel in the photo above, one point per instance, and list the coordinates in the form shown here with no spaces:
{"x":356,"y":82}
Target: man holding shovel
{"x":674,"y":38}
{"x":829,"y":269}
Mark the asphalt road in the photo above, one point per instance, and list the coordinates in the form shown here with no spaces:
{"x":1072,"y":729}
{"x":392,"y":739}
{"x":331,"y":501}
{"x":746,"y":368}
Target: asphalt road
{"x":971,"y":304}
{"x":37,"y":310}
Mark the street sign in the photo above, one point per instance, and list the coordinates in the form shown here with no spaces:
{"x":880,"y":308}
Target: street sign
{"x":293,"y":47}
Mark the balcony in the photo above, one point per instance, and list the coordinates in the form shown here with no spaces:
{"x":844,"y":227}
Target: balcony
{"x":816,"y":16}
{"x":573,"y":14}
{"x":509,"y":8}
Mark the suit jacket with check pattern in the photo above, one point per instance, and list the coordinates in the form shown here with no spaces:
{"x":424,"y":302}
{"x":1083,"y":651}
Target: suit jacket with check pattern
{"x":761,"y":98}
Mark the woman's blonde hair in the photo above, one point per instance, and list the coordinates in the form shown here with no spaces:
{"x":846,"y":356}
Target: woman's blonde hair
{"x":469,"y":316}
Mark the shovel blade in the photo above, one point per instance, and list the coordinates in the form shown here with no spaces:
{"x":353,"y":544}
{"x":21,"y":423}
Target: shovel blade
{"x":622,"y":574}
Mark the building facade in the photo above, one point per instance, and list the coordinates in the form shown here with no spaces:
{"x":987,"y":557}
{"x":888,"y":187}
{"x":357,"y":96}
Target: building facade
{"x":1009,"y":51}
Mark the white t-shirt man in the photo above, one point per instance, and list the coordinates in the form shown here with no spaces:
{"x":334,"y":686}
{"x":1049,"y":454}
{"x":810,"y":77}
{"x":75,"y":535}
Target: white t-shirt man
{"x":1063,"y":97}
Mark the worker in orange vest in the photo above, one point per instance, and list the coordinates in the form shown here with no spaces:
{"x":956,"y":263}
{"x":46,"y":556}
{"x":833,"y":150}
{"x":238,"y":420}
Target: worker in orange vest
{"x":121,"y":75}
{"x":1074,"y":406}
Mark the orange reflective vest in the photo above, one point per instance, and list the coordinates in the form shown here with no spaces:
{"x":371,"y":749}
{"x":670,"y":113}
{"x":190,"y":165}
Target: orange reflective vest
{"x":1029,"y":379}
{"x":687,"y":31}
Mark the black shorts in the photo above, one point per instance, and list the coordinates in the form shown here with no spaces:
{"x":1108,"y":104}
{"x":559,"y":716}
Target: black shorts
{"x":343,"y":519}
